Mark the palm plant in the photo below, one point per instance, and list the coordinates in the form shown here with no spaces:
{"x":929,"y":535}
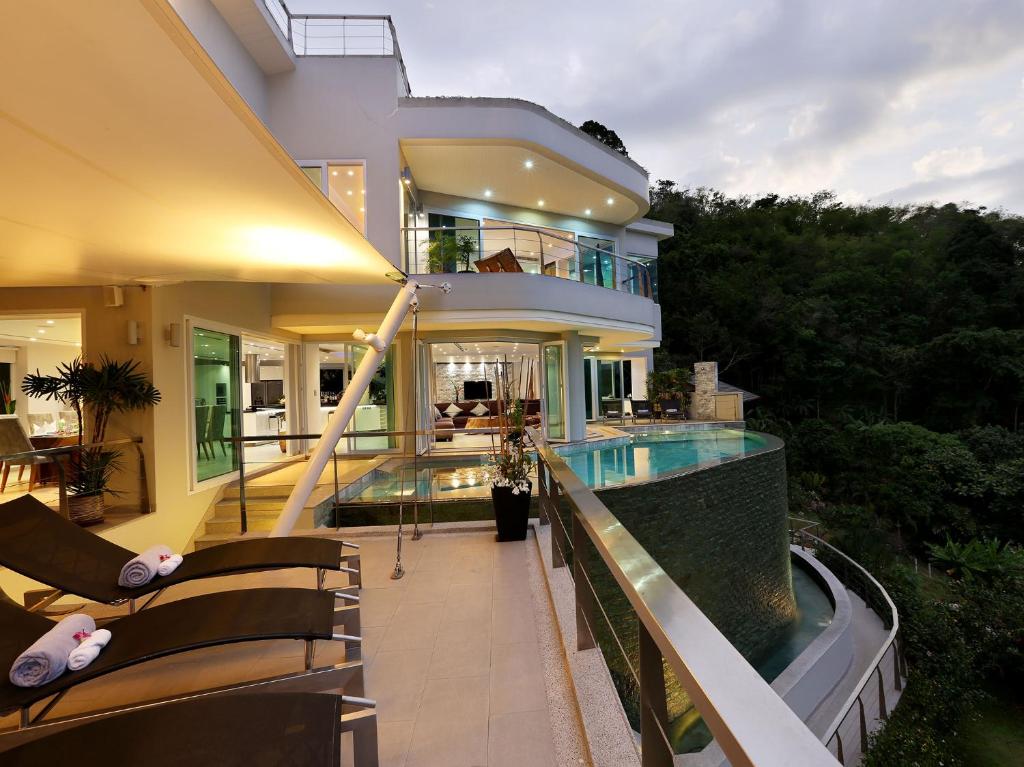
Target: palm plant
{"x":97,"y":392}
{"x":984,"y":559}
{"x":447,"y":251}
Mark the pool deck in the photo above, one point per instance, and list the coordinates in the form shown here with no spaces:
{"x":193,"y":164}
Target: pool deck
{"x":460,"y":655}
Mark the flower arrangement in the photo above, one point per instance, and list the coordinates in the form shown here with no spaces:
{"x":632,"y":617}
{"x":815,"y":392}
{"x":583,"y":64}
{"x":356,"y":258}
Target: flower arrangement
{"x":7,"y":405}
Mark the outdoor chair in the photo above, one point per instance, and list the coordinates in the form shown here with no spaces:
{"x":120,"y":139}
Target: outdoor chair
{"x":202,"y":430}
{"x":215,"y":432}
{"x":502,"y":261}
{"x":672,"y":410}
{"x":641,"y":409}
{"x":13,"y":440}
{"x":207,"y":620}
{"x":39,"y":543}
{"x":300,"y":729}
{"x":612,"y":410}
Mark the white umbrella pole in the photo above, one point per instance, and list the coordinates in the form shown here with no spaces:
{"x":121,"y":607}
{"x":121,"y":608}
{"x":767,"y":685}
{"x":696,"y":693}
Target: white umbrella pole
{"x":376,"y":348}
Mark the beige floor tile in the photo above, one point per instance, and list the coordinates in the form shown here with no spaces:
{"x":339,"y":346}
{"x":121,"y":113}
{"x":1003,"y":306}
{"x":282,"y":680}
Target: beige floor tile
{"x":451,"y":726}
{"x":412,"y":626}
{"x":426,"y":587}
{"x":395,"y":681}
{"x":520,"y":739}
{"x":378,"y":605}
{"x":468,"y":602}
{"x":461,"y":650}
{"x":512,"y":621}
{"x":393,"y":743}
{"x":517,"y":679}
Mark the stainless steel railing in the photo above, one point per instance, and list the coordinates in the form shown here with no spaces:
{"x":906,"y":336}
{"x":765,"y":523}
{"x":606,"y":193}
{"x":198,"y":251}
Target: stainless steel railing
{"x":861,"y":582}
{"x":752,"y":724}
{"x":439,"y":249}
{"x":331,"y":34}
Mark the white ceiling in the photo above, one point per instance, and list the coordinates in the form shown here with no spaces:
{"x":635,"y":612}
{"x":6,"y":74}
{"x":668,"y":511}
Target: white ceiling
{"x":127,"y":156}
{"x":54,"y":329}
{"x":470,"y":169}
{"x":474,"y":351}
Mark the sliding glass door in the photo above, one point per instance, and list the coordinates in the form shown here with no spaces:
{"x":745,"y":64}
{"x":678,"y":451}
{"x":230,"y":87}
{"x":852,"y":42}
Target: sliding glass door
{"x":553,"y":391}
{"x":216,"y":402}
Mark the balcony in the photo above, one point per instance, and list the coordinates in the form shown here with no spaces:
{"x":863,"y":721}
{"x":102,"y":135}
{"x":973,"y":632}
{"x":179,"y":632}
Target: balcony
{"x":320,"y":34}
{"x":531,"y":250}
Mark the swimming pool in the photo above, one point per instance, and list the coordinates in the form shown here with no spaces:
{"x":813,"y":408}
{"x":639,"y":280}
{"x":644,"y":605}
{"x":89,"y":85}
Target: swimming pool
{"x":654,"y":454}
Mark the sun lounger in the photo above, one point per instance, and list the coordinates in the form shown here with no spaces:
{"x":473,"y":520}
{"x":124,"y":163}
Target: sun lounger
{"x":297,"y":729}
{"x":175,"y":627}
{"x":502,"y":261}
{"x":39,"y":543}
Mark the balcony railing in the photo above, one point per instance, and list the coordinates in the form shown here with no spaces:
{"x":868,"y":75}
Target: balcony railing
{"x":752,"y":724}
{"x":440,"y":249}
{"x":888,"y":666}
{"x":330,"y":34}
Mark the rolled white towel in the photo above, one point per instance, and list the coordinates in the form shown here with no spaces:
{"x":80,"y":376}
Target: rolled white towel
{"x":47,"y":658}
{"x":89,"y":648}
{"x":142,"y":569}
{"x":169,"y":564}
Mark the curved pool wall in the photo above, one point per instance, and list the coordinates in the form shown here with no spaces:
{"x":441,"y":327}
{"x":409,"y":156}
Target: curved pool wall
{"x":720,"y":531}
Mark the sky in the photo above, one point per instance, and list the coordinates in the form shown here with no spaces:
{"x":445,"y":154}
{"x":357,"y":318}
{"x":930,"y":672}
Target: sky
{"x":906,"y":101}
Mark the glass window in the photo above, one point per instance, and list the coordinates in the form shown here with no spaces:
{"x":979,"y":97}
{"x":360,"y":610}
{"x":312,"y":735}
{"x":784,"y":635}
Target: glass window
{"x":588,"y":386}
{"x":598,"y":261}
{"x":346,"y":188}
{"x":376,"y":409}
{"x":453,"y":245}
{"x":554,"y":388}
{"x":216,"y":402}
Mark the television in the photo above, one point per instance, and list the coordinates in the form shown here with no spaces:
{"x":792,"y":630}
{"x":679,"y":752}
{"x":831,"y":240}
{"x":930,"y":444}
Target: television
{"x":479,"y":390}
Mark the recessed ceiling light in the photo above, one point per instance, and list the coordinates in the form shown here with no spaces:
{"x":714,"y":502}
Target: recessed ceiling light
{"x":586,"y":212}
{"x":334,"y":173}
{"x":528,"y":164}
{"x":33,"y":340}
{"x":49,"y":322}
{"x":407,"y":181}
{"x":351,"y":173}
{"x":540,"y":203}
{"x":610,"y":201}
{"x":349,"y":192}
{"x":41,"y":331}
{"x":488,"y":192}
{"x":362,"y":210}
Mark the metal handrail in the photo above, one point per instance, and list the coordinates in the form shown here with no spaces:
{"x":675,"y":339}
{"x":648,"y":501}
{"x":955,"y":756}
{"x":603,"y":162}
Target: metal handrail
{"x":55,"y":453}
{"x":752,"y":724}
{"x":890,"y":619}
{"x":629,"y":274}
{"x":288,"y":21}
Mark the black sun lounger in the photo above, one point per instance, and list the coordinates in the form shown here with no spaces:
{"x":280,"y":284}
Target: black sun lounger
{"x":174,"y":627}
{"x":297,"y":729}
{"x":39,"y":543}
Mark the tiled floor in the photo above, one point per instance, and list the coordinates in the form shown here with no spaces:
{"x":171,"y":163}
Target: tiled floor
{"x":452,"y":655}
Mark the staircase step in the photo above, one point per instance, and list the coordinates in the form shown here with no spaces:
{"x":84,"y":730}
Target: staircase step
{"x":234,"y":525}
{"x":251,"y":504}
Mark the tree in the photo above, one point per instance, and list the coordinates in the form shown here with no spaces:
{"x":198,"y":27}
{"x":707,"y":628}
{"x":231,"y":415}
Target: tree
{"x":605,"y":135}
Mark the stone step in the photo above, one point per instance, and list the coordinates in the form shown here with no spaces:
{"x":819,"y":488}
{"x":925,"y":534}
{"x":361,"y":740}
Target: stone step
{"x":226,"y":525}
{"x":231,"y":506}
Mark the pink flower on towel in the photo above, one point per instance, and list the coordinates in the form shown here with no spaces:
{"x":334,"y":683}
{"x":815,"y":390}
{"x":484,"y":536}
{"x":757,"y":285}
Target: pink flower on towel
{"x":165,"y":557}
{"x":81,"y":636}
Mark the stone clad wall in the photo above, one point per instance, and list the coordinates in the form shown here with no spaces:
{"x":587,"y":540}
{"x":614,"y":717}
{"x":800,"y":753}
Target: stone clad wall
{"x":705,"y":384}
{"x":721,"y":533}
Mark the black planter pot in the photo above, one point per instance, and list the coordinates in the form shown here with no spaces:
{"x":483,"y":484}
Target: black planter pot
{"x":511,"y":512}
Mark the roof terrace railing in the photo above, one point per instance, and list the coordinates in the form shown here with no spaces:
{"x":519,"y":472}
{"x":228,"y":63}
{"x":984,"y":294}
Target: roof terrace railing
{"x":752,"y":724}
{"x":331,"y":34}
{"x":436,"y":249}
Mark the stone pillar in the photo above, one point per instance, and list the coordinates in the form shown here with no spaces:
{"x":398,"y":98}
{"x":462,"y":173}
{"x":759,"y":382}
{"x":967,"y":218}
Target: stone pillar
{"x":705,"y":383}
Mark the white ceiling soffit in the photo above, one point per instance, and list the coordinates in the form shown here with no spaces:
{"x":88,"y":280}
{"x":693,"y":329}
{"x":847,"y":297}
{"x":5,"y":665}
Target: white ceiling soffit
{"x":520,"y":174}
{"x":127,"y":155}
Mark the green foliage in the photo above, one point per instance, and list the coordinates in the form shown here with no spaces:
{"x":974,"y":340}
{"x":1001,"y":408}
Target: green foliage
{"x":7,"y":405}
{"x":92,"y":471}
{"x":605,"y":135}
{"x":984,"y":559}
{"x":448,"y":252}
{"x":668,"y":385}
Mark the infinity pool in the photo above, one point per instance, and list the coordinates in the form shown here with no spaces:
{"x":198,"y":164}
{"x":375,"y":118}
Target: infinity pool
{"x":652,"y":454}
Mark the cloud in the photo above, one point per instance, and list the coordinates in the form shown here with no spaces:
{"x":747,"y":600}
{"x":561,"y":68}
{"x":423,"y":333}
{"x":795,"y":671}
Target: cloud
{"x":862,"y":97}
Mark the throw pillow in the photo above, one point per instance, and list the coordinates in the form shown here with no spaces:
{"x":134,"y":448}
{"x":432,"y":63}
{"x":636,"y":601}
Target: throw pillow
{"x":453,"y":410}
{"x":480,"y":409}
{"x":437,"y":414}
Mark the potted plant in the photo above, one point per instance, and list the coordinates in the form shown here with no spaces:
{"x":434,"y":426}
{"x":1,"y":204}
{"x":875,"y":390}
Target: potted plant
{"x":99,"y":392}
{"x":511,"y":486}
{"x":448,"y":251}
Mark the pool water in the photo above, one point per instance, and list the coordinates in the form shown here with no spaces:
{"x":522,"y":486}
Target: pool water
{"x":814,"y":614}
{"x":653,"y":454}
